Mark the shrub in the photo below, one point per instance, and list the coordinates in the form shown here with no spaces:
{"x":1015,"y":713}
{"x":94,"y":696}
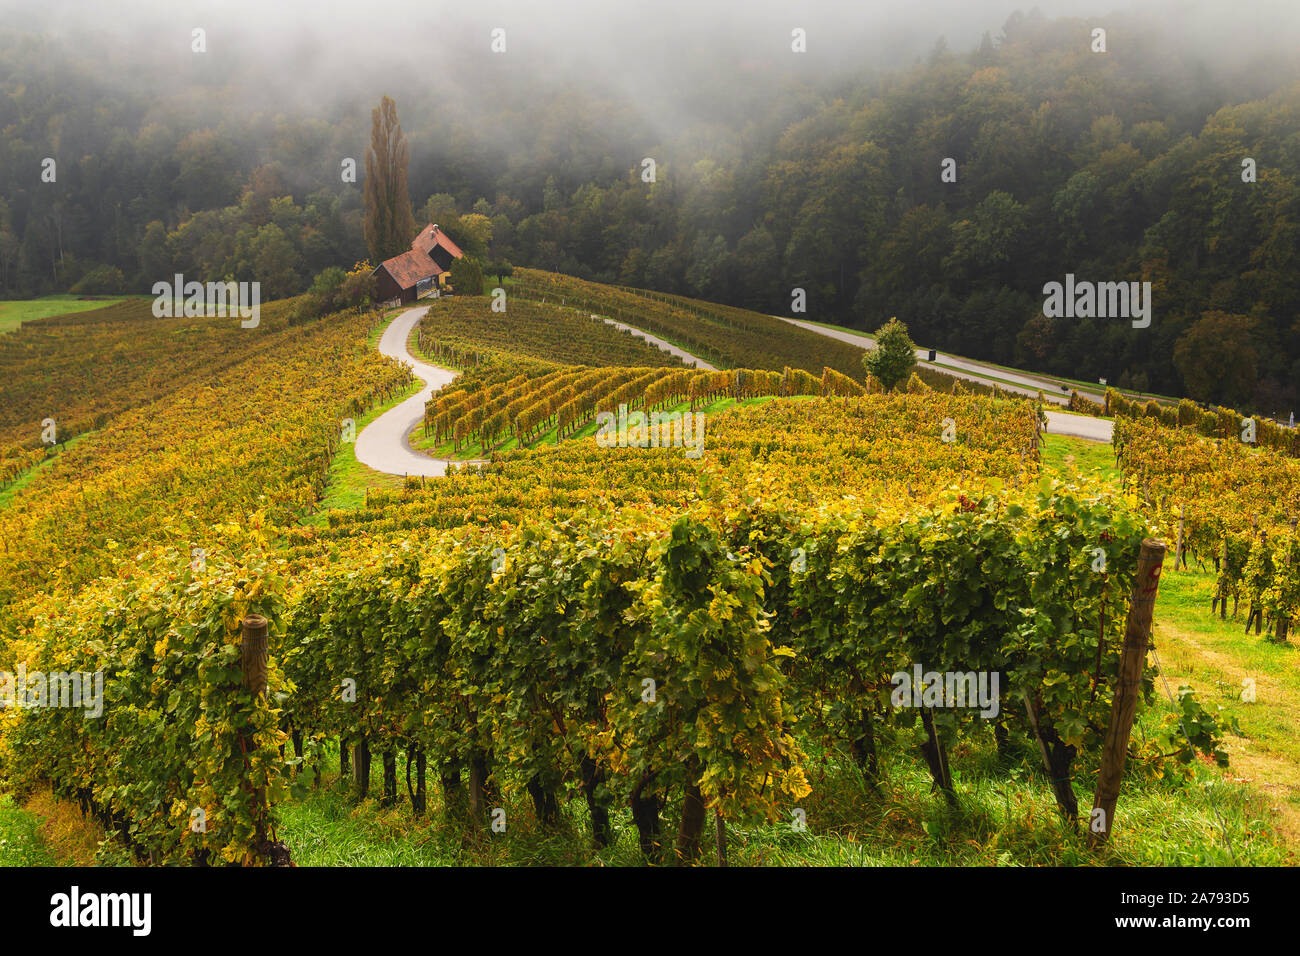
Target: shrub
{"x":101,"y":280}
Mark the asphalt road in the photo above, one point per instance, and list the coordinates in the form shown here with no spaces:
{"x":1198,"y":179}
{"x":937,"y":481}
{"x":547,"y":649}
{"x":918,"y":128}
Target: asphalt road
{"x":1080,"y":426}
{"x":682,"y":354}
{"x":384,"y":444}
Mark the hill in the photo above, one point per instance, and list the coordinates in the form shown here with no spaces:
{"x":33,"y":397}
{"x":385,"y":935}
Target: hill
{"x":497,"y":625}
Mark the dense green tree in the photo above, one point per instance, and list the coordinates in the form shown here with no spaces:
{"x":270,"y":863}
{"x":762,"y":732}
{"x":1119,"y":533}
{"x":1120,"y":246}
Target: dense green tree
{"x":1217,"y":358}
{"x":894,"y":356}
{"x":467,"y":276}
{"x":274,"y":263}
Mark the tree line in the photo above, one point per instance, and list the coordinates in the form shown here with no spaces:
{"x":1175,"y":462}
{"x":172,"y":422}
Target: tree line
{"x":1123,"y":166}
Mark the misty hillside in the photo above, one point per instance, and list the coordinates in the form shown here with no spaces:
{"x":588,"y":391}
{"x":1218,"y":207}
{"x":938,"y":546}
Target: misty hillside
{"x":769,"y":177}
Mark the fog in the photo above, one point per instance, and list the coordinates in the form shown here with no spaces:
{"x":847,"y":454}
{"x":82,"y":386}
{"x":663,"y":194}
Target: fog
{"x":673,"y":62}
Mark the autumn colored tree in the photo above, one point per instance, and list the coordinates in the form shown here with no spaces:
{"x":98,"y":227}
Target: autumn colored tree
{"x":473,"y":233}
{"x":359,"y":286}
{"x":389,"y":224}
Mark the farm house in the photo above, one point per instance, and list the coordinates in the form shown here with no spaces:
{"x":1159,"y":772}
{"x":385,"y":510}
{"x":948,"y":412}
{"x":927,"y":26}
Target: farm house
{"x":419,"y":272}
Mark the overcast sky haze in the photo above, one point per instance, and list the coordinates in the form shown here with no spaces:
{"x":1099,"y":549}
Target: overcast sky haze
{"x":310,"y":51}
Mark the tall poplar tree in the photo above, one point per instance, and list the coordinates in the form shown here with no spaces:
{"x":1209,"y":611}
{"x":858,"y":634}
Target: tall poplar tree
{"x":389,"y":224}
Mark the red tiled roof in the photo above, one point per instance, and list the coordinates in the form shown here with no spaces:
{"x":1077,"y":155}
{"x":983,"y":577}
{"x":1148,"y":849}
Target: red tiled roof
{"x":425,"y":240}
{"x":431,"y":236}
{"x":447,"y":244}
{"x":410,"y":267}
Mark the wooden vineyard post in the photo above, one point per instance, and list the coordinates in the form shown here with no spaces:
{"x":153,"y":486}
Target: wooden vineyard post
{"x":1284,"y":616}
{"x":1128,"y":686}
{"x":1180,"y":559}
{"x":1223,"y":588}
{"x":254,"y":666}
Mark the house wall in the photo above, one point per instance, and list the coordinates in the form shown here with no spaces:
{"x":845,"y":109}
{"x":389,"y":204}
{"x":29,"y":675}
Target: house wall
{"x":387,"y":286}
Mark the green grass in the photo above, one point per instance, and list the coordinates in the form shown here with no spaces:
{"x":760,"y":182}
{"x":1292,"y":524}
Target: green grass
{"x":14,"y":312}
{"x":1217,"y":658}
{"x":20,"y":838}
{"x":1066,"y":455}
{"x":349,"y":478}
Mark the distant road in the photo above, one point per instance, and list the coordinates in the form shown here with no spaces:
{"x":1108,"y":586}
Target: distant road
{"x":1080,"y":426}
{"x":384,"y":444}
{"x":682,"y":354}
{"x":971,"y":371}
{"x":1058,"y":423}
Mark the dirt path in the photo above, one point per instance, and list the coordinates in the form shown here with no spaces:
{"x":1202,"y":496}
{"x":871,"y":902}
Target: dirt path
{"x":1188,"y":660}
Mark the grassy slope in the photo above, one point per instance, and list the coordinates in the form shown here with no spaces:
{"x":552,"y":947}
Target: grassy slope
{"x":1217,"y":659}
{"x":349,"y":479}
{"x":16,"y":311}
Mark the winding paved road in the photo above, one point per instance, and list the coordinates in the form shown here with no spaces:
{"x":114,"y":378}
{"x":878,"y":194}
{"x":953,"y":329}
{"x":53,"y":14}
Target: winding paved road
{"x":384,"y":444}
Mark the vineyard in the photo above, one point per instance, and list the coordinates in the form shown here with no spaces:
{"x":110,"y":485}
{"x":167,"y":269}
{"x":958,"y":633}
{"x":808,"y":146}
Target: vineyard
{"x":517,"y":659}
{"x":252,"y":436}
{"x":463,"y":332}
{"x":889,"y":446}
{"x":82,"y":370}
{"x":721,"y":335}
{"x":612,"y":639}
{"x":628,"y":442}
{"x":519,"y":405}
{"x":1229,"y":505}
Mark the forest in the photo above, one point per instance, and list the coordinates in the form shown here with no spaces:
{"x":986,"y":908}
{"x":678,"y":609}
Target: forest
{"x":1127,"y":166}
